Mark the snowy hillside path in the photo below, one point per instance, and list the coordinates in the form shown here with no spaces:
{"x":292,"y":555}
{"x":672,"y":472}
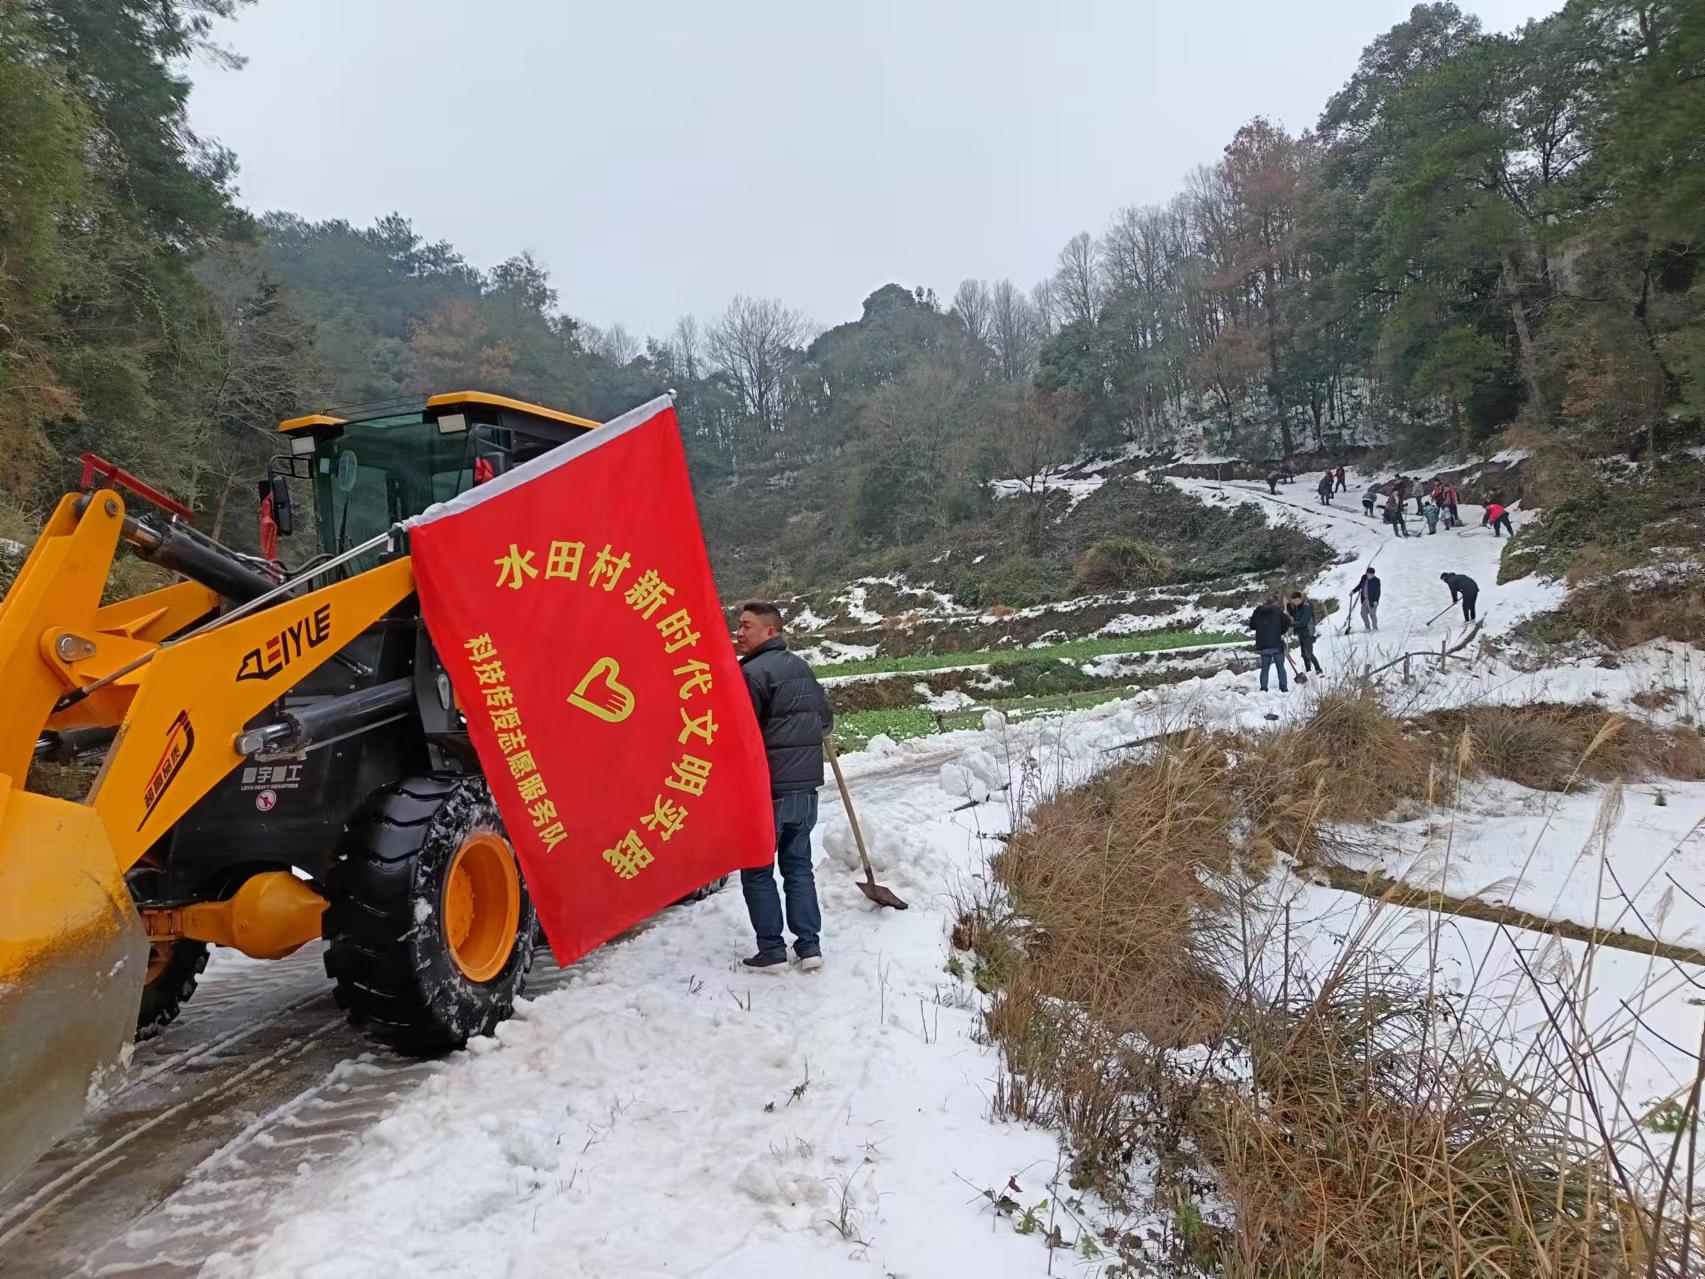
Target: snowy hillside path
{"x":1408,"y":568}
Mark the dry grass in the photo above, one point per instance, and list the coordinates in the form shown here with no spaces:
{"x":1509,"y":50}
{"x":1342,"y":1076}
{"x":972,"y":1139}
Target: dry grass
{"x":1350,"y":761}
{"x":1595,"y":561}
{"x":1120,"y":563}
{"x":1375,"y":1126}
{"x":1555,"y":747}
{"x":1620,"y":613}
{"x":1120,"y":877}
{"x":1097,"y":945}
{"x":1376,"y":1141}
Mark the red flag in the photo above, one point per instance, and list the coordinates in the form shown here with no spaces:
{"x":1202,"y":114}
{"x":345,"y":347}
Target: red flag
{"x":571,"y":602}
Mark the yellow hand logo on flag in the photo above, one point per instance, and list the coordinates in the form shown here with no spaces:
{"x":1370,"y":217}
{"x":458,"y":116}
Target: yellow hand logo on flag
{"x":611,"y":701}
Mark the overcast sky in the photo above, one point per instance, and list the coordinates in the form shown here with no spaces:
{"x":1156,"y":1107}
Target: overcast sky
{"x":659,"y":157}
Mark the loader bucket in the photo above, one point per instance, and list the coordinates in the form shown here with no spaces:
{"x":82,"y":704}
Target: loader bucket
{"x":73,"y":956}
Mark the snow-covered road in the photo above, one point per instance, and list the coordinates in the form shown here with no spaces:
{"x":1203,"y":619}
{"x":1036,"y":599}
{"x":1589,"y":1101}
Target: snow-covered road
{"x":650,"y":1110}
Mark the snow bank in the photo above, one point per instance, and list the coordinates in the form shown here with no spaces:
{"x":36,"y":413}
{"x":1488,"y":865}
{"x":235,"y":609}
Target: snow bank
{"x":952,"y":699}
{"x":1076,"y":488}
{"x":829,"y":653}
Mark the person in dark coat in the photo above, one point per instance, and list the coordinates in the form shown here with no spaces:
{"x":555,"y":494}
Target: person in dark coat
{"x":1367,"y":593}
{"x":793,"y":713}
{"x":1269,"y":622}
{"x":1302,"y":623}
{"x":1394,"y":515}
{"x":1273,"y":478}
{"x":1464,"y":588}
{"x":1324,"y":488}
{"x":1341,"y":484}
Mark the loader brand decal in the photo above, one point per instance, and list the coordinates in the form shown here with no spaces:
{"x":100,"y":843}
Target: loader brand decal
{"x":275,"y":777}
{"x":180,"y":741}
{"x":305,"y":633}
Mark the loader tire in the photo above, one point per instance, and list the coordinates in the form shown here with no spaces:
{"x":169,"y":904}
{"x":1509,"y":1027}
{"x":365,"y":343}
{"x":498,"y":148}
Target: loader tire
{"x":174,"y":969}
{"x":430,"y":925}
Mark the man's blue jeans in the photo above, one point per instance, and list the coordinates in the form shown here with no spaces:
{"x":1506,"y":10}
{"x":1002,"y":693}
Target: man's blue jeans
{"x":1273,"y":657}
{"x":796,"y":814}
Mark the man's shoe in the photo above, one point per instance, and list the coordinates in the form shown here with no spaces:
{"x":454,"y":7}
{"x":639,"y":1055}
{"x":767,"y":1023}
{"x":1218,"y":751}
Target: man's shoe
{"x":810,"y":963}
{"x":765,"y":964}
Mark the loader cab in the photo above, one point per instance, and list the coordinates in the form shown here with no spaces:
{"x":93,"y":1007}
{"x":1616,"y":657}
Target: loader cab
{"x":361,"y":476}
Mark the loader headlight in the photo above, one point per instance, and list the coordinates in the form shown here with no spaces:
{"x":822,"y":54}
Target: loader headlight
{"x":444,"y":695}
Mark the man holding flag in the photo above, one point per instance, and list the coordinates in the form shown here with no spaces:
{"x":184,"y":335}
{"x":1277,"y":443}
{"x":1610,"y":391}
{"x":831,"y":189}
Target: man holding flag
{"x":571,"y":603}
{"x":794,"y":716}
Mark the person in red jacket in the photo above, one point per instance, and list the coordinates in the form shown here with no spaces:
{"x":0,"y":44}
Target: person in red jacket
{"x":1497,"y":516}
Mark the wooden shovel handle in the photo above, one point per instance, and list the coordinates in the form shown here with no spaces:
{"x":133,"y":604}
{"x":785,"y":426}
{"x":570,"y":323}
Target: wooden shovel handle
{"x":846,"y":802}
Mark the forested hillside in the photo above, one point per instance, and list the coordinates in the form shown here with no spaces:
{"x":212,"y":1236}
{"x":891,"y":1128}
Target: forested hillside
{"x":1479,"y":231}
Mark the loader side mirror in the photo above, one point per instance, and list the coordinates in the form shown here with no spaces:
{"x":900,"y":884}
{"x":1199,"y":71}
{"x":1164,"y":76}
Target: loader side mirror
{"x":282,"y":514}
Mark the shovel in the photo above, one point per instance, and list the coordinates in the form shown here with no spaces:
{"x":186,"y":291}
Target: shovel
{"x":1300,"y":677}
{"x":868,"y":885}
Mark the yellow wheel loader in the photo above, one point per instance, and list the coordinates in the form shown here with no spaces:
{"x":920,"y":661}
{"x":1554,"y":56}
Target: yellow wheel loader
{"x":276,"y":757}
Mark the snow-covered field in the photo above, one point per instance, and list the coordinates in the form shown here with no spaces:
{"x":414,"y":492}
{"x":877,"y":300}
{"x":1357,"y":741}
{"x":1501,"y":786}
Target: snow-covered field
{"x":1540,"y":852}
{"x":659,"y":1113}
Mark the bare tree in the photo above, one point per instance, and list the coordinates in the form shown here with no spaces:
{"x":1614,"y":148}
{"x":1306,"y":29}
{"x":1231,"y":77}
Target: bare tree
{"x":753,"y":343}
{"x":1045,"y":305}
{"x":267,"y":371}
{"x":1077,"y":282}
{"x":615,"y":343}
{"x":973,"y":306}
{"x":687,"y":345}
{"x":1014,"y":331}
{"x":1034,"y":438}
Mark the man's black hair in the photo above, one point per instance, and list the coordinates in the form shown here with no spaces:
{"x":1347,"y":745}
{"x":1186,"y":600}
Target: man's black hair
{"x":765,"y":612}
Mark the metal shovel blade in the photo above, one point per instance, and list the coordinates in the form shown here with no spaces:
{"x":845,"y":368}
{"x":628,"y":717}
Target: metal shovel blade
{"x":880,"y":895}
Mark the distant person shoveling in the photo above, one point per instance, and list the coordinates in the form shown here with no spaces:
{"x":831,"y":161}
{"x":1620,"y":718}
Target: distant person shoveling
{"x":1461,"y":587}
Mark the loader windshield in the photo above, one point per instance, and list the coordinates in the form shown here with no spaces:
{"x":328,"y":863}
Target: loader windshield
{"x":381,"y":471}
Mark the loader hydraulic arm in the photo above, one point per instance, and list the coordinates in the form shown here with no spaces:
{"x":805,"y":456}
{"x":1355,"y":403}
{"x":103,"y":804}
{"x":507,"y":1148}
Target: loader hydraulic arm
{"x":183,"y":550}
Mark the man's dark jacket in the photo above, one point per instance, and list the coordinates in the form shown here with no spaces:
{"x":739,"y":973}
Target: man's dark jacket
{"x":1461,"y":584}
{"x":793,"y":712}
{"x":1368,"y":588}
{"x":1302,"y":619}
{"x":1269,"y":624}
